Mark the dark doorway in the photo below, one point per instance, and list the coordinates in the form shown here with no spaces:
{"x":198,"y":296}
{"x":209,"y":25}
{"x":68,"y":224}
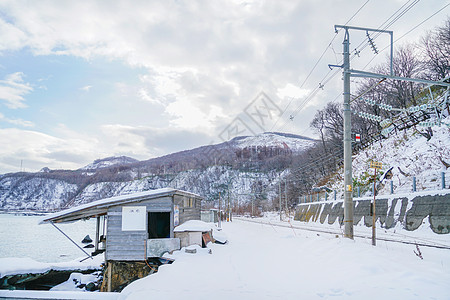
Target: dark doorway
{"x":158,"y":225}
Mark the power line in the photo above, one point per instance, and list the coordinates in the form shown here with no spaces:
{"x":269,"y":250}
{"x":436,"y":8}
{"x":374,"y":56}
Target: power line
{"x":409,"y":31}
{"x":389,"y":22}
{"x":396,"y":16}
{"x":318,"y":61}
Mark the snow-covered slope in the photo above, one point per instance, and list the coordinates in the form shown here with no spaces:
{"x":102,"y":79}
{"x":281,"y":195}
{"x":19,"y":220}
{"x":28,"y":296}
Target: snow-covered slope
{"x":206,"y":170}
{"x":293,"y":142}
{"x":34,"y":193}
{"x":109,"y":162}
{"x":408,"y":154}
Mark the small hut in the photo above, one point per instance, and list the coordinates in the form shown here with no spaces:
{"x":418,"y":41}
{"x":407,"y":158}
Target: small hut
{"x":135,"y":227}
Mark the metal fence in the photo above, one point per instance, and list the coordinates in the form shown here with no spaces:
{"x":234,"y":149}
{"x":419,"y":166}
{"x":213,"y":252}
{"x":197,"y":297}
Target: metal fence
{"x":411,"y":184}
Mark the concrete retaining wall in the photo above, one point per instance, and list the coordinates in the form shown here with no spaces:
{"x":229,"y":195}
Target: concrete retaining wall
{"x":409,"y":210}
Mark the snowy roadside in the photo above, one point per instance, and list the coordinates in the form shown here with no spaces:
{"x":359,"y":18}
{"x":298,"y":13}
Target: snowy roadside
{"x":267,"y":262}
{"x":423,"y":234}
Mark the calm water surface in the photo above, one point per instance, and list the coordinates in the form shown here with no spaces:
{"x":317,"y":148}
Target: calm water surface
{"x":22,"y":236}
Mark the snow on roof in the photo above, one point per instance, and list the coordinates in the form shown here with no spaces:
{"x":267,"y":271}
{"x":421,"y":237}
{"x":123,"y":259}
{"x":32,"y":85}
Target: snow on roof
{"x":193,"y":225}
{"x":100,"y":207}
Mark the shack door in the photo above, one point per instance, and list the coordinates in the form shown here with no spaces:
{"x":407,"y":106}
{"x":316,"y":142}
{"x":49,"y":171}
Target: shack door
{"x":158,"y":225}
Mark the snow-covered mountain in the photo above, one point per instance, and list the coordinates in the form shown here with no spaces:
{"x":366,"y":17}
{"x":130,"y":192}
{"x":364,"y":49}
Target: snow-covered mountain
{"x":230,"y":166}
{"x":109,"y":162}
{"x":274,"y":139}
{"x":243,"y":168}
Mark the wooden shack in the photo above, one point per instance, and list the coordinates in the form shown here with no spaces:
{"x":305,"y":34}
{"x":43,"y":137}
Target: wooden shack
{"x":137,"y":226}
{"x":132,"y":229}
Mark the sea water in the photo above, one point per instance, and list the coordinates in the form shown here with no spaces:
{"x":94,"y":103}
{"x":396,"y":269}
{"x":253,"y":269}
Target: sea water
{"x":22,"y":236}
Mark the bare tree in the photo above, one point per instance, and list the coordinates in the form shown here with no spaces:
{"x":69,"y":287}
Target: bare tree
{"x":436,"y":48}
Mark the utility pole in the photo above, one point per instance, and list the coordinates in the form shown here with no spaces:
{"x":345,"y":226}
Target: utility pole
{"x":253,"y":196}
{"x":348,"y":180}
{"x":374,"y":218}
{"x":348,"y":194}
{"x":228,"y":209}
{"x":220,"y":214}
{"x":285,"y":196}
{"x":279,"y":185}
{"x":347,"y":73}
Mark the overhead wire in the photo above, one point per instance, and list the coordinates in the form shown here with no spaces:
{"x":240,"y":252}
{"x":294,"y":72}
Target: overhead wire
{"x":317,"y":62}
{"x":408,"y":32}
{"x":389,"y":22}
{"x":396,"y":16}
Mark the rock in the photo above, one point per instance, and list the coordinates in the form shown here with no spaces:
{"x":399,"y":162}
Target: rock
{"x":87,"y":239}
{"x":190,"y":250}
{"x":91,"y":287}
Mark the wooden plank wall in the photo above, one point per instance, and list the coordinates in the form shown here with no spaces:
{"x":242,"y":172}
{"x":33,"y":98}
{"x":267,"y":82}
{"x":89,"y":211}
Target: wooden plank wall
{"x":131,"y":245}
{"x":188,"y":213}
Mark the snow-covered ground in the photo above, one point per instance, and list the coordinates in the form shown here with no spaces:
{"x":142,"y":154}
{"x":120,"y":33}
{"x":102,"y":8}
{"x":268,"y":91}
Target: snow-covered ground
{"x":265,"y":261}
{"x":270,"y":262}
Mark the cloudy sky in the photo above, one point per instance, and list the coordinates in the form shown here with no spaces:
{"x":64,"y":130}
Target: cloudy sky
{"x":82,"y":80}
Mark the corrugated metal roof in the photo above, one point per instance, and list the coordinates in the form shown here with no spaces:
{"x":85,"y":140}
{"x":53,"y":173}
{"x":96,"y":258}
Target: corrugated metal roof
{"x":100,"y":207}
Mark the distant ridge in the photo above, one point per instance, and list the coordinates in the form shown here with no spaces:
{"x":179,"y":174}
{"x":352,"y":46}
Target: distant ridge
{"x":109,"y":162}
{"x":203,"y":170}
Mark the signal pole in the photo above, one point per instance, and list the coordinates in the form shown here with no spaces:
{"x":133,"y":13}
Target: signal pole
{"x":347,"y":72}
{"x":348,"y":180}
{"x":348,"y":194}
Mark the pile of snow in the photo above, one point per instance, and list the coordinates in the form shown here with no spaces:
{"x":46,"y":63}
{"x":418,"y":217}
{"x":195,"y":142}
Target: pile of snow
{"x":24,"y":265}
{"x":194,"y":225}
{"x":77,"y":282}
{"x":200,"y":226}
{"x":219,"y":236}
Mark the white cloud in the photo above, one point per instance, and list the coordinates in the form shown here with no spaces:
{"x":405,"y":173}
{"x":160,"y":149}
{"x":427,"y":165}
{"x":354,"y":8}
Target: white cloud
{"x":292,"y":91}
{"x":86,"y":88}
{"x":144,"y":142}
{"x":13,"y":89}
{"x":38,"y":150}
{"x":19,"y":122}
{"x":126,"y":140}
{"x":200,"y":62}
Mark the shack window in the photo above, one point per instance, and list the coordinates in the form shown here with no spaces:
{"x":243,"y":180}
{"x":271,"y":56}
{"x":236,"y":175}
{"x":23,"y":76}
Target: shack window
{"x":188,"y":202}
{"x":158,"y":225}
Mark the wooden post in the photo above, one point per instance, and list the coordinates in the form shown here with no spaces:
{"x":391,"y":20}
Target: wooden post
{"x":109,"y":270}
{"x":374,"y":241}
{"x":220,"y":214}
{"x":97,"y":229}
{"x":374,"y":165}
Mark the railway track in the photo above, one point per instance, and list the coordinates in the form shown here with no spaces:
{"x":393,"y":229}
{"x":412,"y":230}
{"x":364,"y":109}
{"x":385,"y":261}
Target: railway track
{"x":394,"y":239}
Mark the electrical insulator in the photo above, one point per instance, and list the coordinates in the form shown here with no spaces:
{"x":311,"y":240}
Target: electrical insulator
{"x":370,"y":101}
{"x":386,"y":131}
{"x":430,"y":123}
{"x":385,"y":122}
